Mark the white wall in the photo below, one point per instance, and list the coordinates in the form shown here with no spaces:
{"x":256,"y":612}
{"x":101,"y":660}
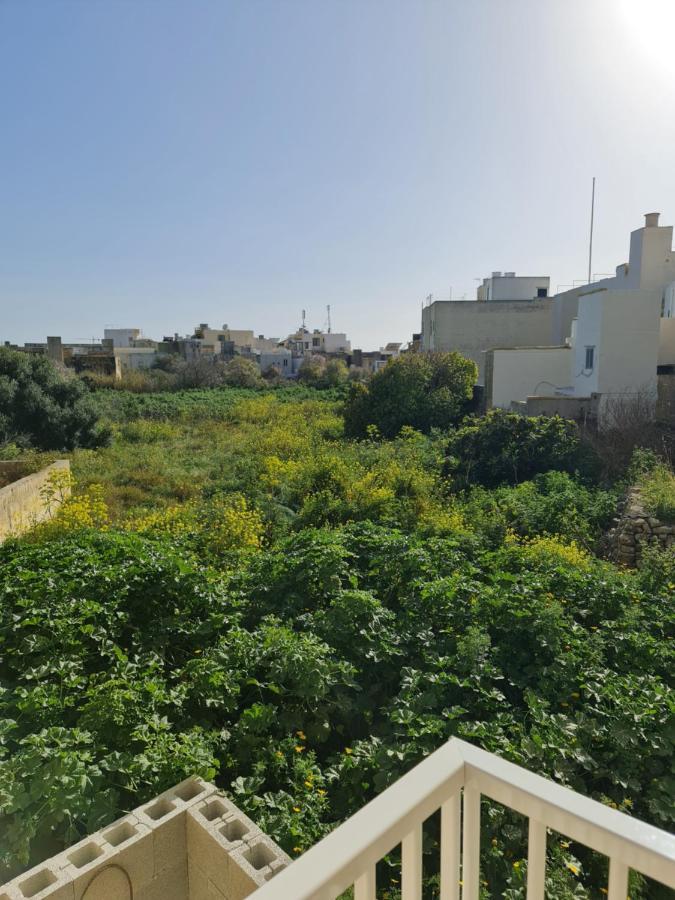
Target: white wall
{"x":133,"y":358}
{"x":282,"y":359}
{"x":669,"y":301}
{"x":626,"y":357}
{"x":516,"y":287}
{"x":527,"y":372}
{"x":471,"y":327}
{"x":121,"y":337}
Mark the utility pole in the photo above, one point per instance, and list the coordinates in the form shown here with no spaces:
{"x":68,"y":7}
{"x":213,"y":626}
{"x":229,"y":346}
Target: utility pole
{"x":590,"y":240}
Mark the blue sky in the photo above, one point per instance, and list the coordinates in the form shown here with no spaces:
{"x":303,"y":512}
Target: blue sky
{"x":165,"y":162}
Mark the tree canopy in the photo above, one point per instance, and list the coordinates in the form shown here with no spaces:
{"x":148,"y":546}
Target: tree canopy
{"x":421,"y":390}
{"x":43,"y":408}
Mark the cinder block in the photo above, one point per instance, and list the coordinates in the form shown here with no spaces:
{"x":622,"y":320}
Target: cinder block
{"x":198,"y":883}
{"x":45,"y":880}
{"x":171,"y":884}
{"x":109,"y":883}
{"x":191,"y":791}
{"x":169,"y":842}
{"x":133,"y":856}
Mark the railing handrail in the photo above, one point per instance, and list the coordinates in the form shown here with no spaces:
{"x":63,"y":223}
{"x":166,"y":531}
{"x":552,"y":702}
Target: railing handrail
{"x":610,"y":832}
{"x":332,"y":865}
{"x":352,"y":850}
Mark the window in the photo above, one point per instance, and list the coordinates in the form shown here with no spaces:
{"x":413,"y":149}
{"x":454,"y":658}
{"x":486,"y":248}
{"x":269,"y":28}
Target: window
{"x":542,"y":292}
{"x":590,"y":354}
{"x":316,"y":342}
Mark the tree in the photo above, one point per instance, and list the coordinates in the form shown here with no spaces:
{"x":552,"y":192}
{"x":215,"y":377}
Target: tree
{"x":242,"y":372}
{"x":43,"y":407}
{"x":313,"y":370}
{"x":422,"y":390}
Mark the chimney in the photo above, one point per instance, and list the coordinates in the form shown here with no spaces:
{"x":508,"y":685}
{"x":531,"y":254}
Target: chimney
{"x":652,"y":220}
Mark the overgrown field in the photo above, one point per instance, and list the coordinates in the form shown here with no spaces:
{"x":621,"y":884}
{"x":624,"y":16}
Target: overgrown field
{"x":237,"y":590}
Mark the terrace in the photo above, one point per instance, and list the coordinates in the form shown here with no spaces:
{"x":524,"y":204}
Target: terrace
{"x":192,"y":843}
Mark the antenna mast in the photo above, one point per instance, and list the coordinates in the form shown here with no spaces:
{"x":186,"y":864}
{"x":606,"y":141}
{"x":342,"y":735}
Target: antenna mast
{"x":590,"y":240}
{"x":328,"y":311}
{"x":303,"y":320}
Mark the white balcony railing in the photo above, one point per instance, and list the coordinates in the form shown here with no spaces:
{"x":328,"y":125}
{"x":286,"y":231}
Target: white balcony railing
{"x":453,"y":779}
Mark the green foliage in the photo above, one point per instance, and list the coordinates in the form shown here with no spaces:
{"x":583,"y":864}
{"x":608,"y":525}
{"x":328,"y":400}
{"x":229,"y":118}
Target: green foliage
{"x":367,"y":615}
{"x":421,"y":390}
{"x":319,"y":372}
{"x":41,"y":407}
{"x":552,"y":503}
{"x":505,"y":448}
{"x":657,"y":489}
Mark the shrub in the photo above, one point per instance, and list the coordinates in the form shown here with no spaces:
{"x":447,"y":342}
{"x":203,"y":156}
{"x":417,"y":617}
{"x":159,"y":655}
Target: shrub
{"x":658,"y":493}
{"x":422,"y":390}
{"x":42,"y":406}
{"x":505,"y":448}
{"x":554,"y":503}
{"x":242,"y":373}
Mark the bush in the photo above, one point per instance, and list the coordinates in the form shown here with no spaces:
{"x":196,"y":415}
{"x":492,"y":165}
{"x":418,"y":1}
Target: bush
{"x":505,"y":448}
{"x":658,"y":493}
{"x":40,"y":406}
{"x":242,"y":373}
{"x":422,"y":390}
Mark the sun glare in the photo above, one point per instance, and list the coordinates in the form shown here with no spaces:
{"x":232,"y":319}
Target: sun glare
{"x":651,"y":25}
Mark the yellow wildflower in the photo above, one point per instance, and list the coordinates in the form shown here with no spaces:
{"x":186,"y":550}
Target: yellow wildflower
{"x":573,"y":869}
{"x":348,"y":751}
{"x":296,"y":809}
{"x":298,"y":749}
{"x":301,"y":735}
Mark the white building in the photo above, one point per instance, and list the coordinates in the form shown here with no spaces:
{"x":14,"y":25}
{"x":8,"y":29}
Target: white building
{"x":509,"y":286}
{"x":121,"y":337}
{"x":622,"y":332}
{"x":470,"y":327}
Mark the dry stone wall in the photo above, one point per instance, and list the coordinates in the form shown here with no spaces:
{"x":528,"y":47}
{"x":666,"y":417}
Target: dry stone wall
{"x":635,"y":528}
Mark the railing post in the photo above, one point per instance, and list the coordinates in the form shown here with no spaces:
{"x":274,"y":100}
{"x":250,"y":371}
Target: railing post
{"x":618,"y":880}
{"x":411,"y":865}
{"x":536,"y":860}
{"x":450,"y":847}
{"x":364,"y":887}
{"x":471,"y":844}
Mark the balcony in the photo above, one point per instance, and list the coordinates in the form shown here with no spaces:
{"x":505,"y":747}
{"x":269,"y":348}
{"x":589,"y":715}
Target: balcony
{"x":193,"y":843}
{"x":453,"y":779}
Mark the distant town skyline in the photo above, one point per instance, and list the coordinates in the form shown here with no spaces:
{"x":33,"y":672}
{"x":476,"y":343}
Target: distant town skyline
{"x":169,"y":164}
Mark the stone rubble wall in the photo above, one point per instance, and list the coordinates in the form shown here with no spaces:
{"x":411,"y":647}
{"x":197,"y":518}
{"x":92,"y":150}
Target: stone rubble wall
{"x":22,"y":504}
{"x":635,"y":528}
{"x":189,"y":843}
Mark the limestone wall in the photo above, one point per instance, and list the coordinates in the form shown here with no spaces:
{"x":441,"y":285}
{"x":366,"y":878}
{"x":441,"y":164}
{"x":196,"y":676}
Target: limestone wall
{"x":22,"y":504}
{"x":635,"y":528}
{"x":189,"y":843}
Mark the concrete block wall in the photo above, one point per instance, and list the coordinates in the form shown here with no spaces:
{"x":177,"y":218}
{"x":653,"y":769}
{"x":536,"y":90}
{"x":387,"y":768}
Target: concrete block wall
{"x":189,"y":843}
{"x":22,"y":504}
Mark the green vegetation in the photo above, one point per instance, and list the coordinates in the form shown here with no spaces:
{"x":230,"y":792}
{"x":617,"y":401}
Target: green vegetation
{"x":41,"y":408}
{"x":422,"y":390}
{"x":658,"y":493}
{"x":237,"y":590}
{"x":505,"y":448}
